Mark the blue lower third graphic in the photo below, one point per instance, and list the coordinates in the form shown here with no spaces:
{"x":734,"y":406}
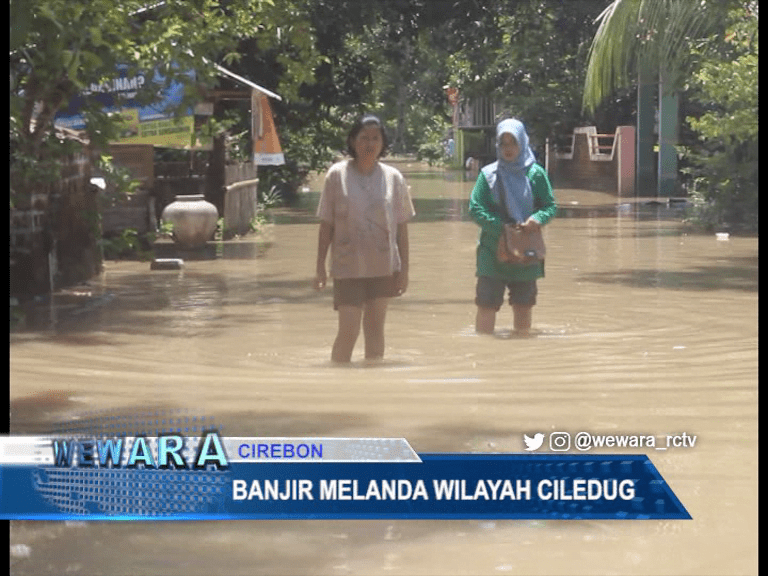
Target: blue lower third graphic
{"x":432,"y":486}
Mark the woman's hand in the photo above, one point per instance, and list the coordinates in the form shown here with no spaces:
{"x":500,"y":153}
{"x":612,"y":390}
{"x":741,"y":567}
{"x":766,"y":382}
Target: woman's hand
{"x":321,"y":279}
{"x":401,"y":281}
{"x":531,"y":225}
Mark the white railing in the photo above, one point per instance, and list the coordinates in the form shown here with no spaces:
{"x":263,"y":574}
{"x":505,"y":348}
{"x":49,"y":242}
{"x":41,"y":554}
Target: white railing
{"x":597,"y":152}
{"x":478,"y":113}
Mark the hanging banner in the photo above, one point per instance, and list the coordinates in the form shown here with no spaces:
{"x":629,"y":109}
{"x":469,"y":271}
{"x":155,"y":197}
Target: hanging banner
{"x":159,"y":124}
{"x":266,"y":145}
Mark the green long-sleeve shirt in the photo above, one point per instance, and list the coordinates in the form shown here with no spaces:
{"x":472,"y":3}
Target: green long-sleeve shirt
{"x":487,"y":214}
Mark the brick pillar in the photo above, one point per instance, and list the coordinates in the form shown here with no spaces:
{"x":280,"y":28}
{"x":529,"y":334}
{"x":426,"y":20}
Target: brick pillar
{"x":625,"y":150}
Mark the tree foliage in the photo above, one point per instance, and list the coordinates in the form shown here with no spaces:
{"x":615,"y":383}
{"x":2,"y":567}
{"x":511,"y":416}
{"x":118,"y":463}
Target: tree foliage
{"x":530,"y":56}
{"x":311,"y":119}
{"x":551,"y":63}
{"x":408,"y":75}
{"x":648,"y":36}
{"x":725,"y":85}
{"x":393,"y":57}
{"x":61,"y":47}
{"x":378,"y":58}
{"x":687,"y":45}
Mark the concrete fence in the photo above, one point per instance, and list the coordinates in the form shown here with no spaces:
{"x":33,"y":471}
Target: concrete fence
{"x":593,"y":161}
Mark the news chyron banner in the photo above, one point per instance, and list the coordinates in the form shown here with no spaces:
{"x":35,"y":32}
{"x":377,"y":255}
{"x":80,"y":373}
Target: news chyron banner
{"x":210,"y":477}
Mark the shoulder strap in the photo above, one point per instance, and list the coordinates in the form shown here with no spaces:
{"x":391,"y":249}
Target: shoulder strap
{"x":505,"y":217}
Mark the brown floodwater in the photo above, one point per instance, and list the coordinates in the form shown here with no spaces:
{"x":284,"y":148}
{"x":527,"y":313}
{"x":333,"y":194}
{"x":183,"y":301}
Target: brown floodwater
{"x":641,"y":328}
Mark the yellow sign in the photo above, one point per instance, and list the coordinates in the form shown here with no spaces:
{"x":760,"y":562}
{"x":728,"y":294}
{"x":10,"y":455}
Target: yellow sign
{"x":165,"y":132}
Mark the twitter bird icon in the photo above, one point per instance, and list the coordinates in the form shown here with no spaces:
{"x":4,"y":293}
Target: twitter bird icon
{"x":534,"y":443}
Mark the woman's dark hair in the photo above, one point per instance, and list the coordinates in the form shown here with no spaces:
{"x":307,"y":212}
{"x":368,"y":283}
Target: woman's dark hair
{"x":362,"y":122}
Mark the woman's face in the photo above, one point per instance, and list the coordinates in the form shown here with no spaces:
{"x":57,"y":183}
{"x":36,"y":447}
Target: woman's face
{"x":509,"y":147}
{"x":368,"y":143}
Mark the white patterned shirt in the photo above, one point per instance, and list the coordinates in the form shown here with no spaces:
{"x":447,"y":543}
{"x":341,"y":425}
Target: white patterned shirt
{"x":364,"y":212}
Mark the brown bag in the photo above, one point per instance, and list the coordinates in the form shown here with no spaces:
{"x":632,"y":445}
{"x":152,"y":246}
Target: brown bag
{"x":519,"y":246}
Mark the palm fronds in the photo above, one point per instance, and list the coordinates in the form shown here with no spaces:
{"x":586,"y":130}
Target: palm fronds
{"x":649,"y":36}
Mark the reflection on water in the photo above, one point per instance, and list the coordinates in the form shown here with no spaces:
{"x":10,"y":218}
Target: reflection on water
{"x":640,"y":328}
{"x":439,"y":196}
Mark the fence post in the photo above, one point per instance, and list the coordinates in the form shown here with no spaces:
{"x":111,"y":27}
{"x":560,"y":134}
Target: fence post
{"x":669,"y":105}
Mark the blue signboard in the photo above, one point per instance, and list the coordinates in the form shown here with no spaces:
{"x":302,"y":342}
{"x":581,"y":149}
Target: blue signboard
{"x":161,"y":123}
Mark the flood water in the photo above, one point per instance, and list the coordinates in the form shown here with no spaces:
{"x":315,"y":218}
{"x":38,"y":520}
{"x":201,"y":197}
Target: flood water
{"x":640,"y":328}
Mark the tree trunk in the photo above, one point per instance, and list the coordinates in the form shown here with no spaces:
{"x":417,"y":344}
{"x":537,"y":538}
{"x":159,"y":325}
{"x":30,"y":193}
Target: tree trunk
{"x":215,"y":181}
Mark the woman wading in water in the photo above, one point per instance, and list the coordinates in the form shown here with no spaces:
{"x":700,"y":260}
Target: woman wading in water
{"x":364,"y":209}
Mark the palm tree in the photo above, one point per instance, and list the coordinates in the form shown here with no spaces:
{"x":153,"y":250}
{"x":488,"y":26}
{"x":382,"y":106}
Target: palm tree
{"x":650,"y":39}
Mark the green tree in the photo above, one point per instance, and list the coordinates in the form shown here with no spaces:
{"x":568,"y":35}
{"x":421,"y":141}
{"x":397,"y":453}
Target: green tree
{"x":60,"y":47}
{"x":530,"y":57}
{"x":645,"y":36}
{"x":650,"y":41}
{"x":409,"y":72}
{"x":312,"y":118}
{"x":725,"y":160}
{"x":379,"y":58}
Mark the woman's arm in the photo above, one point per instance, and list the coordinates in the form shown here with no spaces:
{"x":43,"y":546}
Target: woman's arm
{"x":543,"y":197}
{"x":325,"y":212}
{"x":403,"y":249}
{"x":482,"y":209}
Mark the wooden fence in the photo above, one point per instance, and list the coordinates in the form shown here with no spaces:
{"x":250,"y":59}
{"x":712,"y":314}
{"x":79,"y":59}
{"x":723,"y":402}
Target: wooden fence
{"x":241,"y":199}
{"x":161,"y":182}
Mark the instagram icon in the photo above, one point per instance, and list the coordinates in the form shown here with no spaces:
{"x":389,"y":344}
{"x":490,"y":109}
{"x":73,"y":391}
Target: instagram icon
{"x":559,"y":441}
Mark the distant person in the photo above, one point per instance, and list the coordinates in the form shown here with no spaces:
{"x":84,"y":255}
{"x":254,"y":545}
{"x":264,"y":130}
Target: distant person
{"x":530,"y":203}
{"x":364,"y":209}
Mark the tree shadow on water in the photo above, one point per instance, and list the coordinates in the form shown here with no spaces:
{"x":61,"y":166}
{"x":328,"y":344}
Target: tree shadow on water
{"x":37,"y":414}
{"x":58,"y":412}
{"x":162,"y":305}
{"x":740,"y":274}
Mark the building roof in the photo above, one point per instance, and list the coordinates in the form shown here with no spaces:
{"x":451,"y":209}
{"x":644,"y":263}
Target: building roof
{"x":245,"y":81}
{"x":221,"y":69}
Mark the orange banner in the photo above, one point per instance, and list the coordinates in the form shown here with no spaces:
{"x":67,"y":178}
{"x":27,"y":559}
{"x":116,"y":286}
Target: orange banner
{"x":266,"y":144}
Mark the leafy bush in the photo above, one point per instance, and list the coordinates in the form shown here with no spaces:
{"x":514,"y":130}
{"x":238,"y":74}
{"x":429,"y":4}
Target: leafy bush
{"x":129,"y":244}
{"x":724,"y":165}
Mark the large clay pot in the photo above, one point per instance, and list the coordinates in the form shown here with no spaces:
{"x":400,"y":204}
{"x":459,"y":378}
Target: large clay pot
{"x":193,"y":218}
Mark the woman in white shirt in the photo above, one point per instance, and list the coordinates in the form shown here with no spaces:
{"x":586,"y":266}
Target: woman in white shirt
{"x":364,"y":209}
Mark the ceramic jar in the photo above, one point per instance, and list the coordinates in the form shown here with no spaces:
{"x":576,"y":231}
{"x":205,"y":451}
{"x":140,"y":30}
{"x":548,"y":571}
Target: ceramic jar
{"x":193,"y":218}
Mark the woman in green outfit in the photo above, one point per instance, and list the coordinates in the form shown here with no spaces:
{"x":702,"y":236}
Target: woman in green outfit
{"x":529,"y":202}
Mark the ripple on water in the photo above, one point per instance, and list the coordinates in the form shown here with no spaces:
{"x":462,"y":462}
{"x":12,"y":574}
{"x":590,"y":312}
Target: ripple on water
{"x":637,"y":330}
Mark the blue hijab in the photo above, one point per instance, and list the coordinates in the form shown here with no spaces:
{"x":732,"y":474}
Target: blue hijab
{"x":509,"y":178}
